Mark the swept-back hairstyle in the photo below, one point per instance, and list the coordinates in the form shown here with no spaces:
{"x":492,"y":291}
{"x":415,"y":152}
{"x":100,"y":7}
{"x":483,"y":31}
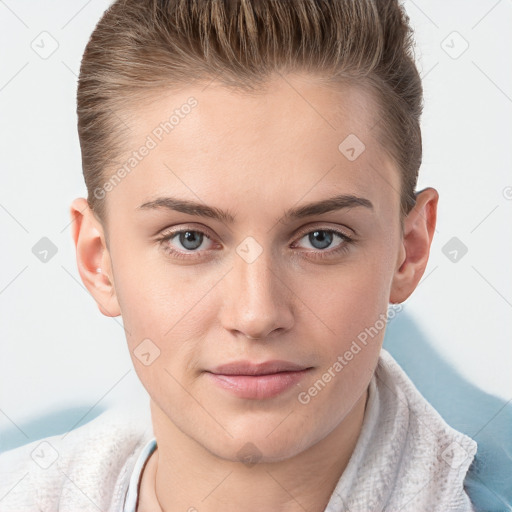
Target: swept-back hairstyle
{"x":141,"y":47}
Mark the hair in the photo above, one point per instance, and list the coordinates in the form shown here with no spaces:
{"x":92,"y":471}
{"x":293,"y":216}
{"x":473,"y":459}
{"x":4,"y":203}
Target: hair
{"x":140,"y":48}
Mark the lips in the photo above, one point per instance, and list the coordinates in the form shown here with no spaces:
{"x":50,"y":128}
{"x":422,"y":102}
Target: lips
{"x":248,"y":368}
{"x":257,"y":381}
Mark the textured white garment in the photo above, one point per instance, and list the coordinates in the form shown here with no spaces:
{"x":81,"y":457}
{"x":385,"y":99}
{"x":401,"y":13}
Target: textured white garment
{"x":406,"y":459}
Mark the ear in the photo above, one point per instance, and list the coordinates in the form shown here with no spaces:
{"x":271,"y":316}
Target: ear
{"x":418,"y":231}
{"x":93,"y":258}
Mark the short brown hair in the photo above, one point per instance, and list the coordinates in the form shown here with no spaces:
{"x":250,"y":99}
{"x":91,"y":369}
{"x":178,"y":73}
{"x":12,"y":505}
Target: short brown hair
{"x":142,"y":46}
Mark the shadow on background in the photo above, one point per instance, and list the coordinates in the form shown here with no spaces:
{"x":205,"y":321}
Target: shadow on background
{"x":53,"y":423}
{"x":483,"y":417}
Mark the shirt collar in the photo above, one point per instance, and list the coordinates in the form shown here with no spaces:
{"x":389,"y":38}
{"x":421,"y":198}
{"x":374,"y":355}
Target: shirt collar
{"x":132,"y":493}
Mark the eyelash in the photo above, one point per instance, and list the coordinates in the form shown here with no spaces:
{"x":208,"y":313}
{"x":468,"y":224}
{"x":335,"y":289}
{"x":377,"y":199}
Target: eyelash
{"x":341,"y":248}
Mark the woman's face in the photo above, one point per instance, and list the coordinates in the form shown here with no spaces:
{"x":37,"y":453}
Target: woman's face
{"x":257,"y":274}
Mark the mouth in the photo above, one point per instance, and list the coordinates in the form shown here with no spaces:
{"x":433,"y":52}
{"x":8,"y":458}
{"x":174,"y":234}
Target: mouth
{"x":257,"y":381}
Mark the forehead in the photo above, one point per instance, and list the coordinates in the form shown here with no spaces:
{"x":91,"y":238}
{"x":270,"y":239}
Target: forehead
{"x":296,"y":138}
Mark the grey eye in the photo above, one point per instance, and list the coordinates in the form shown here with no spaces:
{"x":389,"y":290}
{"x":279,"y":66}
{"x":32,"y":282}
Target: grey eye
{"x":191,"y":239}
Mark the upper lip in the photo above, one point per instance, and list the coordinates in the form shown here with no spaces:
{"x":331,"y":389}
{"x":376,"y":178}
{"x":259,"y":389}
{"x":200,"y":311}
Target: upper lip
{"x":249,"y":368}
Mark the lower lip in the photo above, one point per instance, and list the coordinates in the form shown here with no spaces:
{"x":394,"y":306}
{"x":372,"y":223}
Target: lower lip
{"x":258,"y":387}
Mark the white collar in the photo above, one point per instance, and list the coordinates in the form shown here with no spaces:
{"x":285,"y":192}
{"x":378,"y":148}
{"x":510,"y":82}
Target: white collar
{"x":132,"y":492}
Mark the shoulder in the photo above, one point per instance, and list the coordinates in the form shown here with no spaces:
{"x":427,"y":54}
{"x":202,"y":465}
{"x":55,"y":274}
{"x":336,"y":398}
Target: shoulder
{"x":86,"y":468}
{"x":437,"y":456}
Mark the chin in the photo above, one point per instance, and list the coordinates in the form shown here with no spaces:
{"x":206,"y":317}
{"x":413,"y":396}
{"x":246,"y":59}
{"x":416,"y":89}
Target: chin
{"x":256,"y":445}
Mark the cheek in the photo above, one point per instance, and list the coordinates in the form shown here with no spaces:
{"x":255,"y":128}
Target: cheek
{"x":352,"y":307}
{"x":154,"y":295}
{"x":348,"y":299}
{"x":169,"y":305}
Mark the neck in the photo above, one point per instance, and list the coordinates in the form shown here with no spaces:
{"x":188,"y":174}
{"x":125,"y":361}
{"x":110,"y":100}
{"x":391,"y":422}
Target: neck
{"x":183,"y":475}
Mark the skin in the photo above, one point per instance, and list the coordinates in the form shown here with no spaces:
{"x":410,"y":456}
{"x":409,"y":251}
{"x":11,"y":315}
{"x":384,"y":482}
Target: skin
{"x":255,"y":156}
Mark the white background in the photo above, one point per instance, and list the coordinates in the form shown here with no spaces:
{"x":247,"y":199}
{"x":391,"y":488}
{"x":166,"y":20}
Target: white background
{"x":59,"y":353}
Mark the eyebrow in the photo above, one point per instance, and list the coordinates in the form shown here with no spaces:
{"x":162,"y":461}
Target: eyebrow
{"x":338,"y":202}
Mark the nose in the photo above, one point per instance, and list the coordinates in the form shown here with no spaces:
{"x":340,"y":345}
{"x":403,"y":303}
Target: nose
{"x":257,"y":303}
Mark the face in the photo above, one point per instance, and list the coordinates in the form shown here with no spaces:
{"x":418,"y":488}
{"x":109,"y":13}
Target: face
{"x":255,"y":273}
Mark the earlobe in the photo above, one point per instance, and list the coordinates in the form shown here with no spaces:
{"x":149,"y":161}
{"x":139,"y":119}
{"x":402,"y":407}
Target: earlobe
{"x":92,"y":255}
{"x":419,"y":227}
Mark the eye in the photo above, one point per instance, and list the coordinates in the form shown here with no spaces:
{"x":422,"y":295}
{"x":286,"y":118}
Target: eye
{"x":184,"y":242}
{"x":190,"y":240}
{"x":322,"y":239}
